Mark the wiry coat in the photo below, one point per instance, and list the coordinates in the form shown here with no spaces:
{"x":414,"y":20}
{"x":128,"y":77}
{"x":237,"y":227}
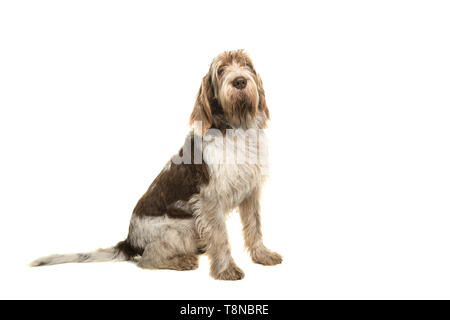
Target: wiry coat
{"x":183,"y":212}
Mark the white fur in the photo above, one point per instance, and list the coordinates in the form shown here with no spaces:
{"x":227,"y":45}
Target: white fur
{"x":236,"y":166}
{"x":147,"y":229}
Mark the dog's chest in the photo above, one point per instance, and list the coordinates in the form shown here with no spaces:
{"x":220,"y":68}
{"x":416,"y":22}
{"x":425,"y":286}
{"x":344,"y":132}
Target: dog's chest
{"x":237,"y":164}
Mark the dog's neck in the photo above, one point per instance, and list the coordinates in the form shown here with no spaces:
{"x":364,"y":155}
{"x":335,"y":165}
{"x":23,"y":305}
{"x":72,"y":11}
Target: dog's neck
{"x":222,"y":122}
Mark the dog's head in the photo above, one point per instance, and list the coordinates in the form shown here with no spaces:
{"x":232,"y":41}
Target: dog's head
{"x":231,"y":91}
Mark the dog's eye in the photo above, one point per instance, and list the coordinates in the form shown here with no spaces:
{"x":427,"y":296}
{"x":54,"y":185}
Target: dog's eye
{"x":220,"y":71}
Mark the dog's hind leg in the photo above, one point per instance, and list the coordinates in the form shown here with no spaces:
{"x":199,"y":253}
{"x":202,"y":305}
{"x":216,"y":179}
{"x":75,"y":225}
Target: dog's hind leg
{"x":156,"y":258}
{"x":174,"y":247}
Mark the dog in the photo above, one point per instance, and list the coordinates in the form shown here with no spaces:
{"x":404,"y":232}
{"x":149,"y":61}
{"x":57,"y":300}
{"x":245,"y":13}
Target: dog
{"x":221,"y":166}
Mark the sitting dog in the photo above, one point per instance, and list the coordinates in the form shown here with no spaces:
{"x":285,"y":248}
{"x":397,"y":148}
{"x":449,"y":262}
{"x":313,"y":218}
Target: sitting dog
{"x":221,"y":166}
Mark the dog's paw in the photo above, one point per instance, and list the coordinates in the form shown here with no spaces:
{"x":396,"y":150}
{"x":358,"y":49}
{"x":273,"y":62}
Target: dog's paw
{"x":266,"y":257}
{"x":233,"y":272}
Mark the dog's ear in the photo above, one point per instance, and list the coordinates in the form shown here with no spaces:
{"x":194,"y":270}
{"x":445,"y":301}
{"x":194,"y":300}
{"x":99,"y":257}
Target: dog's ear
{"x":202,"y":108}
{"x":262,"y":106}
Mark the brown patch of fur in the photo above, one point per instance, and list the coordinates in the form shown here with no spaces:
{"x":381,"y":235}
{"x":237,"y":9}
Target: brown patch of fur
{"x":178,"y":183}
{"x":127,"y":250}
{"x":178,"y":213}
{"x":202,"y":108}
{"x":262,"y":106}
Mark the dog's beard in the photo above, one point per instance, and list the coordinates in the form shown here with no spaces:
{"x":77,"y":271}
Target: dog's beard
{"x":244,"y":109}
{"x":240,"y":107}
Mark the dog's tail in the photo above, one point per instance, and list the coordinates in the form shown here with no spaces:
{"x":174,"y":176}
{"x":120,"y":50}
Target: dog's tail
{"x":121,"y":252}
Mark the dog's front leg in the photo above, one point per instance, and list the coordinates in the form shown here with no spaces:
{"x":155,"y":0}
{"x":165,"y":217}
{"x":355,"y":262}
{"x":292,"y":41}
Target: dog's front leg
{"x":249,"y":211}
{"x":211,"y":226}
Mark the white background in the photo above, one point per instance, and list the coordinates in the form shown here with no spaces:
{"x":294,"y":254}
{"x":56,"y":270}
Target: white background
{"x":95,"y":97}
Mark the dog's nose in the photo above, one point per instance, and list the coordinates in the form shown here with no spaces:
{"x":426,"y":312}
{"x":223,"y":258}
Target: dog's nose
{"x":239,"y":83}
